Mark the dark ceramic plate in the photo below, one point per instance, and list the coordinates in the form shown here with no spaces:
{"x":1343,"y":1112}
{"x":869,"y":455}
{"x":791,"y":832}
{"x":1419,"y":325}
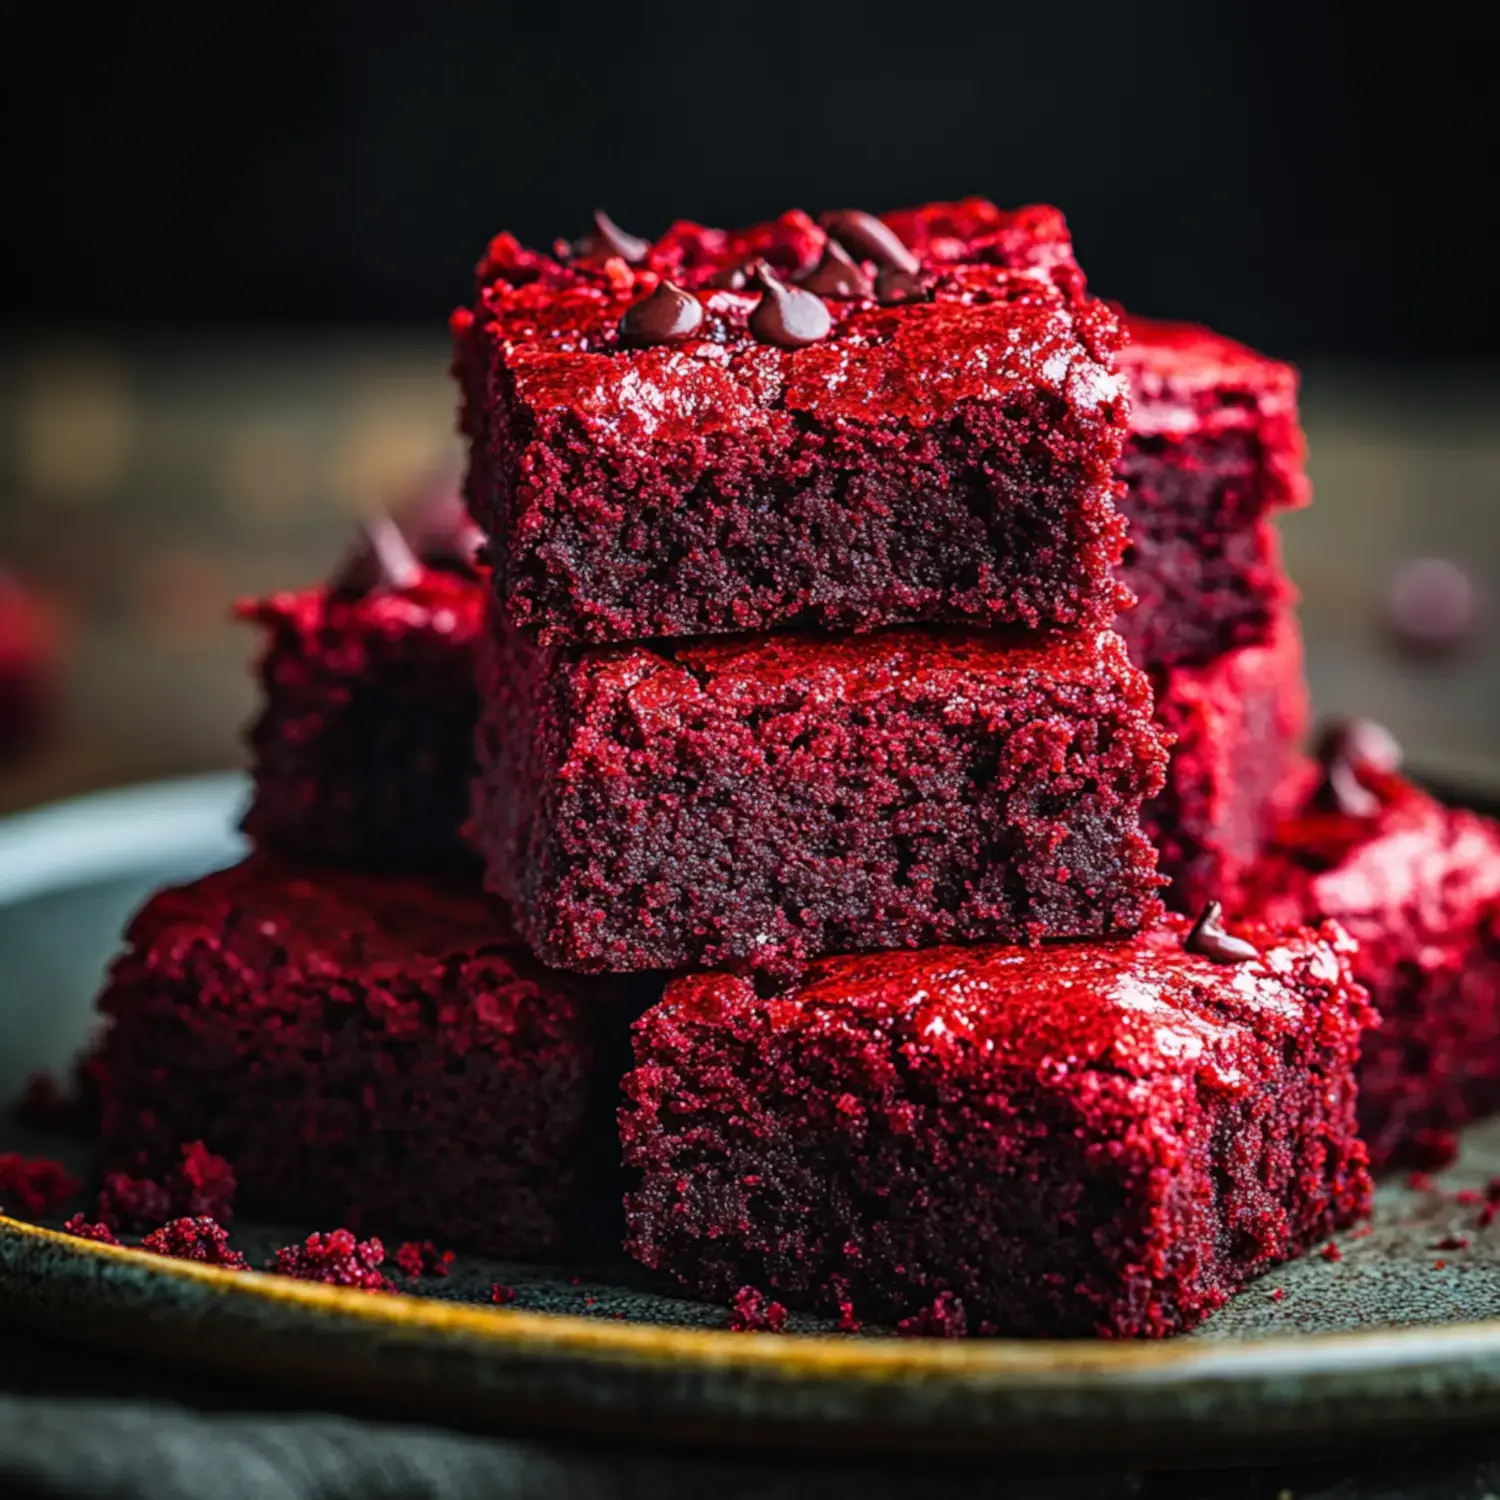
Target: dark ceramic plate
{"x":1396,"y":1332}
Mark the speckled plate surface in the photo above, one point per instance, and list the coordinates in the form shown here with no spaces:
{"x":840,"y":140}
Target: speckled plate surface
{"x":1395,"y":1331}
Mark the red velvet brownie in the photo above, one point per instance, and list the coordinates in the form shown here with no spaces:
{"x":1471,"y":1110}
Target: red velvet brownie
{"x":774,"y":798}
{"x":360,"y":1044}
{"x":723,"y":432}
{"x":1214,"y":449}
{"x":1418,"y":885}
{"x":364,"y":748}
{"x":1070,"y":1139}
{"x":1236,"y":767}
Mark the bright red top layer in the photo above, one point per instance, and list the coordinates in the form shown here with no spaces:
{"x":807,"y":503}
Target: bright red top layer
{"x":440,"y":602}
{"x":1185,"y":378}
{"x":1007,"y":320}
{"x":272,"y":915}
{"x":1141,"y":1006}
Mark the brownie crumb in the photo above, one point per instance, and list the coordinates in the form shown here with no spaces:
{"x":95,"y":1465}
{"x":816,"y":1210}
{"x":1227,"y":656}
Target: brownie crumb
{"x":502,"y":1296}
{"x":1331,"y":1253}
{"x":1486,"y":1216}
{"x":1420,"y":1182}
{"x":1452,"y":1242}
{"x":419,"y":1258}
{"x":203,"y":1186}
{"x":83,"y":1230}
{"x":34,"y":1184}
{"x":127,"y":1202}
{"x":848,"y":1323}
{"x":198,"y":1238}
{"x":336,"y":1259}
{"x":1362,"y":1233}
{"x":945,"y":1319}
{"x":752,"y":1313}
{"x":1468,"y":1197}
{"x":1278,"y":1293}
{"x":1440,"y":1265}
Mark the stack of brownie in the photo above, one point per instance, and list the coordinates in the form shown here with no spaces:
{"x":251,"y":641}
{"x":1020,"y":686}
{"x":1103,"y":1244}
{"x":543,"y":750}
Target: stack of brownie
{"x":798,"y":689}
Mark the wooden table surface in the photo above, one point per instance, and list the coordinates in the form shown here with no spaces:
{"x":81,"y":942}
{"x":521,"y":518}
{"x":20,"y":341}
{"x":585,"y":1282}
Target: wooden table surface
{"x":143,"y":486}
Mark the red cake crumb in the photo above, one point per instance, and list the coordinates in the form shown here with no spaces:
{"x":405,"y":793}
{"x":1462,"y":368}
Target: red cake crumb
{"x":1214,"y":450}
{"x":774,"y":798}
{"x":337,"y":1259}
{"x":34,"y":1184}
{"x":751,"y":1312}
{"x":203,"y":1186}
{"x":1331,"y":1252}
{"x":419,"y":1258}
{"x":1468,"y":1197}
{"x":1440,"y":1265}
{"x":1277,"y":1294}
{"x":1236,"y":768}
{"x":1417,"y":885}
{"x":81,"y":1227}
{"x":947,"y":458}
{"x":1420,"y":1182}
{"x":848,"y":1321}
{"x":500,"y":1295}
{"x":375,"y":1047}
{"x":127,"y":1202}
{"x":364,"y":747}
{"x":1105,"y":1137}
{"x":199,"y":1238}
{"x":1452,"y":1242}
{"x":945,"y":1319}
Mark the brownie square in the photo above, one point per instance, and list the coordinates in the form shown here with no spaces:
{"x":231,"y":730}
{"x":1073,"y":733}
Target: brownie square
{"x":778,"y":797}
{"x":1073,"y":1139}
{"x":374,"y":1049}
{"x":1418,"y":885}
{"x":1237,"y":727}
{"x":1214,"y":450}
{"x":943,"y":455}
{"x":363,"y":749}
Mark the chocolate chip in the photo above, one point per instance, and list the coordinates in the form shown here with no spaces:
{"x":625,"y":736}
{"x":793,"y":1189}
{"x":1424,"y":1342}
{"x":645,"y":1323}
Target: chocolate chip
{"x":835,"y":275}
{"x":864,"y":235}
{"x":730,"y":279}
{"x":1352,"y":751}
{"x":895,"y":287}
{"x":609,"y":239}
{"x":1209,"y":940}
{"x":381,"y":562}
{"x":1431,"y":606}
{"x":441,"y":532}
{"x":667,"y":316}
{"x":786,"y":315}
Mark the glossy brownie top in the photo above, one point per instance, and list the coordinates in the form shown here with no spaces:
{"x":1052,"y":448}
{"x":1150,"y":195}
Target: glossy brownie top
{"x":272,"y":915}
{"x":1142,"y":1006}
{"x":900,"y":333}
{"x":1185,"y":378}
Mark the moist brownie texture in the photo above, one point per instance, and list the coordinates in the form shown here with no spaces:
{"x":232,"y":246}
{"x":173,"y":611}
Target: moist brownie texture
{"x":776,"y":798}
{"x":1214,"y":449}
{"x":1235,"y":770}
{"x":362,"y":1045}
{"x":938,"y":447}
{"x":364,"y":747}
{"x":1071,"y":1139}
{"x":1418,"y":885}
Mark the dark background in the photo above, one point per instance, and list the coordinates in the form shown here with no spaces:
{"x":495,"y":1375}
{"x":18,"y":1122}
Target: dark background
{"x":1316,"y":179}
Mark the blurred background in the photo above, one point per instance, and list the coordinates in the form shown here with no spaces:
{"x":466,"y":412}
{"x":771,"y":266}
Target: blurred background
{"x":230,"y":244}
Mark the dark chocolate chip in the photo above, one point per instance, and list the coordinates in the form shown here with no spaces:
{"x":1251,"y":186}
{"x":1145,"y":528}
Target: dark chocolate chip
{"x":835,"y":275}
{"x":895,"y":287}
{"x":786,"y":315}
{"x":441,"y":531}
{"x":381,"y":562}
{"x":667,"y":316}
{"x":730,"y":279}
{"x":1209,"y":940}
{"x":864,"y":235}
{"x":609,"y":239}
{"x":1352,"y":751}
{"x":1431,"y":606}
